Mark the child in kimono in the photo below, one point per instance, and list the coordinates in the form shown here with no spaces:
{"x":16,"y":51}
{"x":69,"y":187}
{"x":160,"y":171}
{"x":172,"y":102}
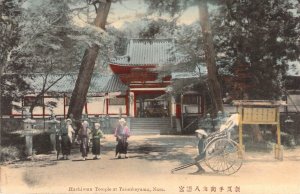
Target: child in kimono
{"x":83,"y":136}
{"x":66,"y":138}
{"x":96,"y":135}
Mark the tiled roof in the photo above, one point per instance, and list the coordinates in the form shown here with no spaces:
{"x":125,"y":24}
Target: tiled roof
{"x":149,"y":52}
{"x":184,"y":75}
{"x":99,"y":83}
{"x":114,"y":84}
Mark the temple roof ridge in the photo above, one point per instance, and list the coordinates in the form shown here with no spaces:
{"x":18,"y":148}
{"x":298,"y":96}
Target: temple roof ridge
{"x":141,"y":51}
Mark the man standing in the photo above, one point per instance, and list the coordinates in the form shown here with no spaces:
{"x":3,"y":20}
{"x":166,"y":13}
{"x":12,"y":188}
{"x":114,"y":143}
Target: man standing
{"x":201,"y":135}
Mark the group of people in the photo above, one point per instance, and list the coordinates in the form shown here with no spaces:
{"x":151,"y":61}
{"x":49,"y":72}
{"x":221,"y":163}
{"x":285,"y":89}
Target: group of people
{"x":65,"y":137}
{"x":88,"y":137}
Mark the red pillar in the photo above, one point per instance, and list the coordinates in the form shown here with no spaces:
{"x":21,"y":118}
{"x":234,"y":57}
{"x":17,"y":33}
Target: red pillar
{"x":178,"y":111}
{"x":22,"y":107}
{"x":43,"y":102}
{"x":127,"y":103}
{"x":134,"y":105}
{"x":202,"y":104}
{"x":86,"y":109}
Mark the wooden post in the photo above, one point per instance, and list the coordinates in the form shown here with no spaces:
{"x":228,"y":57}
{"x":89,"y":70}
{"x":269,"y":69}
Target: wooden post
{"x":278,"y":148}
{"x":181,"y":109}
{"x":64,"y":106}
{"x":255,"y":112}
{"x":242,"y":148}
{"x":107,"y":103}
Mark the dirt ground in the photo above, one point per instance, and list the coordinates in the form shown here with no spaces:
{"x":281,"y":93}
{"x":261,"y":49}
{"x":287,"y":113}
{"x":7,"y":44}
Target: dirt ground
{"x":147,"y":170}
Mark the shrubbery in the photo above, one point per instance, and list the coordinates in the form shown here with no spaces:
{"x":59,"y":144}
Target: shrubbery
{"x":9,"y":153}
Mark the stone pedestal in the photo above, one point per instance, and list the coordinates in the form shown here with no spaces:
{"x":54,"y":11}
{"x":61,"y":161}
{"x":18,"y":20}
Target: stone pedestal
{"x":28,"y":139}
{"x":52,"y":130}
{"x":53,"y":141}
{"x":28,"y":133}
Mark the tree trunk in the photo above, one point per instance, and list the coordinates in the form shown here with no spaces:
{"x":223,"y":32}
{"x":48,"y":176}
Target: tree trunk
{"x":78,"y":98}
{"x":209,"y":50}
{"x":257,"y":135}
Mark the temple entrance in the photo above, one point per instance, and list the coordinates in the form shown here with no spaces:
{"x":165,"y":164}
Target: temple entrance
{"x":150,"y":105}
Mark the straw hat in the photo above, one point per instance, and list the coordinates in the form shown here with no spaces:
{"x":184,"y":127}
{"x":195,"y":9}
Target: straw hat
{"x":69,"y":120}
{"x":202,"y":132}
{"x":122,"y":120}
{"x":97,"y":124}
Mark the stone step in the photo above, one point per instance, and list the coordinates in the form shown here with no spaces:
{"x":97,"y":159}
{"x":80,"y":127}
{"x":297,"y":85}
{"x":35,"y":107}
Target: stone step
{"x":142,"y":126}
{"x":145,"y":125}
{"x":144,"y":132}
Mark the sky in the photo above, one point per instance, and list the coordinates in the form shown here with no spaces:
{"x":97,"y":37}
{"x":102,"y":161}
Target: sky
{"x":132,"y":10}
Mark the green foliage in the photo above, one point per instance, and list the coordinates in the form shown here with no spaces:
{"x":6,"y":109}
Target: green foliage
{"x":9,"y":153}
{"x":12,"y":86}
{"x":261,"y":35}
{"x":9,"y":28}
{"x":172,"y":7}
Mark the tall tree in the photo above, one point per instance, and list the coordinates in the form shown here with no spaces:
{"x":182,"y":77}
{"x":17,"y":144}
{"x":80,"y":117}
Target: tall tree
{"x":46,"y":45}
{"x":9,"y":38}
{"x":50,"y":42}
{"x":210,"y":56}
{"x":78,"y":98}
{"x":258,"y":39}
{"x":175,"y":7}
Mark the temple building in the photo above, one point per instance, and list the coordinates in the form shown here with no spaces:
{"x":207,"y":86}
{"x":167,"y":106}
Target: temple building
{"x":139,"y":86}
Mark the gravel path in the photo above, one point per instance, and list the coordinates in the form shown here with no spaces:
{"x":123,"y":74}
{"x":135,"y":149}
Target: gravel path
{"x":147,"y":170}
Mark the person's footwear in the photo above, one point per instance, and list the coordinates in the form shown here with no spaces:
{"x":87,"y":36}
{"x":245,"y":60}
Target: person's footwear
{"x":83,"y":159}
{"x":95,"y":158}
{"x":67,"y":158}
{"x":199,"y":171}
{"x":119,"y":157}
{"x":126,"y":156}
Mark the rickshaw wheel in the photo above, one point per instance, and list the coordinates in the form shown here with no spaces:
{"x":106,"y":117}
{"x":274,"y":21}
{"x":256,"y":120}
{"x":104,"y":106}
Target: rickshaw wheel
{"x":223,"y":156}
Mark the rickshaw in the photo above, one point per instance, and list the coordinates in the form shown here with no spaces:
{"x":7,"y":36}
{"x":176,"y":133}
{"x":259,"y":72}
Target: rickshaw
{"x":223,"y":155}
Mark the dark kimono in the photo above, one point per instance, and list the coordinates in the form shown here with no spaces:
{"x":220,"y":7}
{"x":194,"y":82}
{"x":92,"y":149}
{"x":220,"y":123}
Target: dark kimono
{"x":96,"y":136}
{"x":201,"y":151}
{"x":65,"y":141}
{"x":83,"y":135}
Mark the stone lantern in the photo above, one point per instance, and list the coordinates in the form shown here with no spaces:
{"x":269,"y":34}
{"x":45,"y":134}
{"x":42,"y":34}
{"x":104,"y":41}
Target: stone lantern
{"x":28,"y":124}
{"x":290,"y":128}
{"x":53,"y":129}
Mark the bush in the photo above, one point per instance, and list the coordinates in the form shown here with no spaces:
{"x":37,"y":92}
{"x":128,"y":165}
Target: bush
{"x":9,"y":153}
{"x":42,"y":143}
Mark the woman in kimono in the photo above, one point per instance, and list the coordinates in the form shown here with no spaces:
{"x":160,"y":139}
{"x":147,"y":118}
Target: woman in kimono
{"x":122,"y":133}
{"x":66,"y":138}
{"x":97,"y":134}
{"x":83,"y":135}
